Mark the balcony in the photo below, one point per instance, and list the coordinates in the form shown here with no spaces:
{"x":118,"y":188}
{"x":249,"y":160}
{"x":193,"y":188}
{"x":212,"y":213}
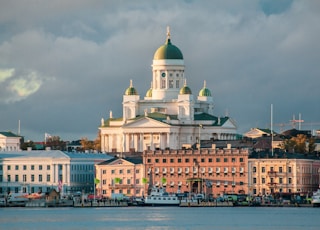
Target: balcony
{"x":272,"y":173}
{"x":272,"y":184}
{"x":121,"y":186}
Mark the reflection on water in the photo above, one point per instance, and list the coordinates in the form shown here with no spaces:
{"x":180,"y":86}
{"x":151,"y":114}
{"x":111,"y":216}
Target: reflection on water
{"x":160,"y":218}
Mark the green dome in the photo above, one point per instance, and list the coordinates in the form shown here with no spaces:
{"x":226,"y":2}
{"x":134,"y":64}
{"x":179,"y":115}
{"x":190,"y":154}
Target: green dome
{"x":205,"y":92}
{"x":168,"y":51}
{"x":185,"y":90}
{"x":131,"y":90}
{"x":149,"y":93}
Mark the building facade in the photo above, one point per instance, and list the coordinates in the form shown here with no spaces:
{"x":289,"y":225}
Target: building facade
{"x":169,"y":116}
{"x":212,"y":172}
{"x":289,"y":174}
{"x":40,"y":171}
{"x":120,"y":176}
{"x":9,"y":141}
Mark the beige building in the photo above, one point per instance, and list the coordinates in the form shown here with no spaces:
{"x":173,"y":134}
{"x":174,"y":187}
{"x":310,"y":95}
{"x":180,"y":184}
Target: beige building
{"x":290,"y":173}
{"x":120,"y":176}
{"x":9,"y":141}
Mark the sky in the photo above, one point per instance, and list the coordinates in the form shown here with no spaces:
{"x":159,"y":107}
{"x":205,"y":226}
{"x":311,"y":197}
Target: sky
{"x":64,"y":65}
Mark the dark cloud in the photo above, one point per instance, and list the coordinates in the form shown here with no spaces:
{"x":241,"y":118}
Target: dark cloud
{"x":72,"y":61}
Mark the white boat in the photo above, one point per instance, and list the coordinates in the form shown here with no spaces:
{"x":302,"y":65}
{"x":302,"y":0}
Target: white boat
{"x":315,"y":201}
{"x":159,"y":197}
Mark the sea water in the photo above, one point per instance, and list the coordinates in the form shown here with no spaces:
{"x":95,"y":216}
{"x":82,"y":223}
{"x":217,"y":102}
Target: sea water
{"x":158,"y":218}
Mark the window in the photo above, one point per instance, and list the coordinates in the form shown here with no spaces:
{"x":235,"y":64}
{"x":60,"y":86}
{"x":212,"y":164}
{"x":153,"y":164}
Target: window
{"x":280,"y":169}
{"x":137,"y":181}
{"x":254,"y":169}
{"x":263,"y":169}
{"x":24,"y":167}
{"x":128,"y":171}
{"x":9,"y":167}
{"x":170,"y":84}
{"x":177,"y":84}
{"x":163,"y":84}
{"x":48,"y":178}
{"x":271,"y":169}
{"x":128,"y":181}
{"x":179,"y":160}
{"x":17,"y":178}
{"x":289,"y":180}
{"x":233,"y":159}
{"x":40,"y":167}
{"x":254,"y":180}
{"x":280,"y":180}
{"x":263,"y":180}
{"x":241,"y":159}
{"x":32,"y":167}
{"x":210,"y":160}
{"x":48,"y":167}
{"x":164,"y":160}
{"x":104,"y":181}
{"x":137,"y":171}
{"x":24,"y":178}
{"x":17,"y":167}
{"x":156,"y":160}
{"x":32,"y":178}
{"x":171,"y":160}
{"x":60,"y":167}
{"x":104,"y":171}
{"x":40,"y":178}
{"x":225,"y":159}
{"x":217,"y":159}
{"x":202,"y":160}
{"x":120,"y":171}
{"x":149,"y":160}
{"x":9,"y":178}
{"x":187,"y":160}
{"x":112,"y":171}
{"x":289,"y":170}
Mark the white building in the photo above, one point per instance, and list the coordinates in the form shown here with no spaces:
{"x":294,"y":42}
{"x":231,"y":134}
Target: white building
{"x":169,"y":116}
{"x":34,"y":171}
{"x":9,"y":141}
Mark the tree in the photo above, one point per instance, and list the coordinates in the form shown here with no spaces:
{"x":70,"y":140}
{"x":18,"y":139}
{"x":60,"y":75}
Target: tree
{"x":86,"y":144}
{"x":97,"y":142}
{"x":311,"y":145}
{"x":299,"y":144}
{"x":25,"y":145}
{"x":55,"y":143}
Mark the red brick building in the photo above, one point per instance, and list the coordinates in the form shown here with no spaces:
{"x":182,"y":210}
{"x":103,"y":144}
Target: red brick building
{"x":209,"y":171}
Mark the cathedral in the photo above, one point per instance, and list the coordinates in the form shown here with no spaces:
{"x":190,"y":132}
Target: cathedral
{"x":169,"y":116}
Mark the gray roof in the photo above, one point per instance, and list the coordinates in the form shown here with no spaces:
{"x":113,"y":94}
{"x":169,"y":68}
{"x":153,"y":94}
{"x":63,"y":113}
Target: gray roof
{"x":53,"y":154}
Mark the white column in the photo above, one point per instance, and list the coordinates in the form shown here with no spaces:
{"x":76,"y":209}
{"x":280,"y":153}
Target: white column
{"x":168,"y":140}
{"x":103,"y":143}
{"x":56,"y":173}
{"x":141,"y":142}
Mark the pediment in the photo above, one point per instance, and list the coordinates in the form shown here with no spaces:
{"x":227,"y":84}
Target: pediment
{"x":229,"y":124}
{"x":146,"y":122}
{"x":120,"y":162}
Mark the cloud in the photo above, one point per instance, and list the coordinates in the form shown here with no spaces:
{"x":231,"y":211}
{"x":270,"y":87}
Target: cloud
{"x":252,"y":53}
{"x":20,"y":86}
{"x":5,"y":74}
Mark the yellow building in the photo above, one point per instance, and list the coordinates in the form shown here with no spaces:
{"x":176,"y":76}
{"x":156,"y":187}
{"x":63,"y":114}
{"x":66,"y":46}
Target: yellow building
{"x":120,"y":176}
{"x":283,"y":173}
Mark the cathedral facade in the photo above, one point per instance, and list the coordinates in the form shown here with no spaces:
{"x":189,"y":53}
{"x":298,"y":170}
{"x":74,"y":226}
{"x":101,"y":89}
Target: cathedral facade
{"x":169,"y":116}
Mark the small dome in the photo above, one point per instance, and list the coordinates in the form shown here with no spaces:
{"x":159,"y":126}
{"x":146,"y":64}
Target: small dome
{"x":168,"y":51}
{"x":205,"y":92}
{"x":185,"y":89}
{"x":131,"y":90}
{"x":149,"y":93}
